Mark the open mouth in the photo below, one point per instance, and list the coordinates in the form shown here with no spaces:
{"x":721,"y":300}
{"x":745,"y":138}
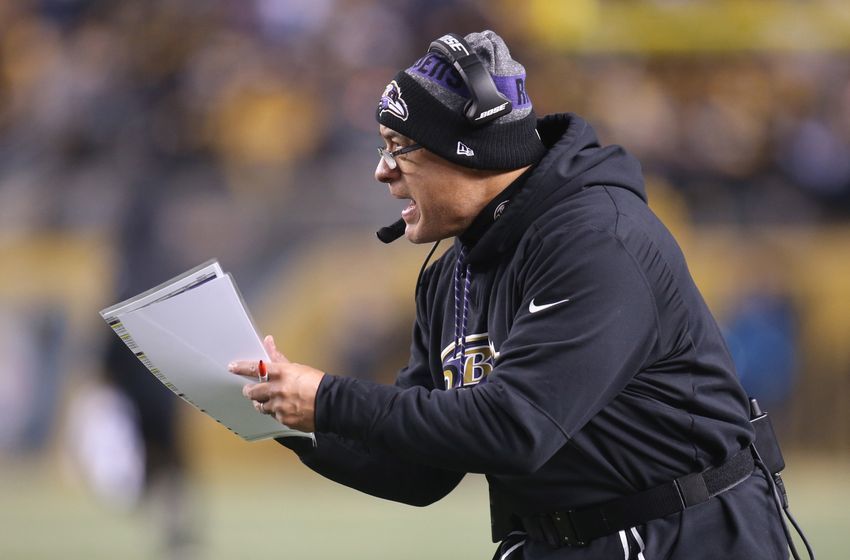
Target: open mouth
{"x":409,"y":213}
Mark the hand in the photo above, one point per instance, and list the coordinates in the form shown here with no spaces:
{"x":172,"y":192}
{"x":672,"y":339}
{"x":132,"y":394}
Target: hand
{"x":290,"y":393}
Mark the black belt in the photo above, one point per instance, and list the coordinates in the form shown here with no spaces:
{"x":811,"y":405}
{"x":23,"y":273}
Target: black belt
{"x":579,"y":527}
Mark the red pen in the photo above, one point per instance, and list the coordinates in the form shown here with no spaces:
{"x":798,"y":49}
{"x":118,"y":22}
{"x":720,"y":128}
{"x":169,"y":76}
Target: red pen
{"x":264,"y":375}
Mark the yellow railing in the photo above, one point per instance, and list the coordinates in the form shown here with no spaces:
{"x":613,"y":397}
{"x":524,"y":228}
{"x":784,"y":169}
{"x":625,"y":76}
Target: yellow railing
{"x":677,"y":27}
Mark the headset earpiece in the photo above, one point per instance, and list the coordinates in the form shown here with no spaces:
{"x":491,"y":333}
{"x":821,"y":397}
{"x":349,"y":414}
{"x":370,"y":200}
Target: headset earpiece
{"x":486,"y":103}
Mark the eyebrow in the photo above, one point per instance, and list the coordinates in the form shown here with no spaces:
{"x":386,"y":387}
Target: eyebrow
{"x":392,"y":135}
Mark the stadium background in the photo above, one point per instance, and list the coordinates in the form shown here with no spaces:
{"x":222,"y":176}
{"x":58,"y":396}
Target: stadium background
{"x":243,"y":129}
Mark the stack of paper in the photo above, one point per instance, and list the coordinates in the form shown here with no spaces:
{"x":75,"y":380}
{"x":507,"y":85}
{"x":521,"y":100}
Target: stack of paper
{"x":185,"y":332}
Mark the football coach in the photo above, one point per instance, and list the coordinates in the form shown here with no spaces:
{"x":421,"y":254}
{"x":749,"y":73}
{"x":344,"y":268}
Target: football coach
{"x":560,"y":345}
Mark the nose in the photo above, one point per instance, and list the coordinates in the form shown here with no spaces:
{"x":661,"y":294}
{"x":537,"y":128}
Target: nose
{"x":383,"y":173}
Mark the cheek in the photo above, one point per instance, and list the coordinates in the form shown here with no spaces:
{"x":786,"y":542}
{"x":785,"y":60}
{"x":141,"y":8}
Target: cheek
{"x":437,"y":201}
{"x":439,"y":219}
{"x":430,"y":207}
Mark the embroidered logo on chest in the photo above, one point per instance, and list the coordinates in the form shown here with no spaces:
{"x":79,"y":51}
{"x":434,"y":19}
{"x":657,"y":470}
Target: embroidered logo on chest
{"x":473,"y":367}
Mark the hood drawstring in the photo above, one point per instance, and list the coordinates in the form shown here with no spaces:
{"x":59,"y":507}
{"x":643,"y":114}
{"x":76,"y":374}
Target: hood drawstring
{"x":461,"y":288}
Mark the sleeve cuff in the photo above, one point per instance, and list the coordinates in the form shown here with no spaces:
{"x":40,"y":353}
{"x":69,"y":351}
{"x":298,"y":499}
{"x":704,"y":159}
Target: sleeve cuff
{"x":300,"y":445}
{"x":350,"y":407}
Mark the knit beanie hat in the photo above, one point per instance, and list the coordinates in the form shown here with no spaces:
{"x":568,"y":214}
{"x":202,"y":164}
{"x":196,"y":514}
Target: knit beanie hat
{"x":426,"y":103}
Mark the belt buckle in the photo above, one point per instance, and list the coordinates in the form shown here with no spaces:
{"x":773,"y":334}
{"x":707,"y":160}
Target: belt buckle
{"x":691,"y":489}
{"x":565,"y":529}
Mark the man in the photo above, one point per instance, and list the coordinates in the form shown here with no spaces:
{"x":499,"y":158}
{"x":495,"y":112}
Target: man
{"x":560,"y":346}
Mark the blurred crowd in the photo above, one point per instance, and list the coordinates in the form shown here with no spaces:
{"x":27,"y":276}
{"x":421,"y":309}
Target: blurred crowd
{"x":263,"y":104}
{"x":260,"y":112}
{"x":747,"y":138}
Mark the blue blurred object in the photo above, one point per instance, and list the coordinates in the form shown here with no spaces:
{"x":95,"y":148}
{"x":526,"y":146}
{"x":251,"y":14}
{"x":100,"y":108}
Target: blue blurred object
{"x":762,"y":337}
{"x":49,"y":325}
{"x":31,"y":378}
{"x":65,"y":13}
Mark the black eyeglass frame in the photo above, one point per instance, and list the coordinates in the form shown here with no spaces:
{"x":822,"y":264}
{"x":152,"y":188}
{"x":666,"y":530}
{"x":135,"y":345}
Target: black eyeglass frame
{"x":389,"y":157}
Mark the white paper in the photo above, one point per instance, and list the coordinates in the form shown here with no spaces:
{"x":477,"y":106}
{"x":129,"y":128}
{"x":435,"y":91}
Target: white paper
{"x":186,"y":340}
{"x":185,"y":281}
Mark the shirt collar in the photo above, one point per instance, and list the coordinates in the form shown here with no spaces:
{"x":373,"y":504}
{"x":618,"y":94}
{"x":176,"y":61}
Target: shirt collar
{"x":493,"y":211}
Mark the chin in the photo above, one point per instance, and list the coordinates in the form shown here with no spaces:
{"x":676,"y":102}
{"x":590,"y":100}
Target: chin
{"x":414,"y":234}
{"x":414,"y":237}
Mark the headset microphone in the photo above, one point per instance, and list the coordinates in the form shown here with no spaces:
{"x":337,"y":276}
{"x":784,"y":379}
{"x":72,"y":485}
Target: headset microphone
{"x":391,"y":232}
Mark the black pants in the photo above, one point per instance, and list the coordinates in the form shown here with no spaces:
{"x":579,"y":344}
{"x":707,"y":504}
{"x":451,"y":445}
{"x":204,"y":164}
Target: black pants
{"x":739,"y":524}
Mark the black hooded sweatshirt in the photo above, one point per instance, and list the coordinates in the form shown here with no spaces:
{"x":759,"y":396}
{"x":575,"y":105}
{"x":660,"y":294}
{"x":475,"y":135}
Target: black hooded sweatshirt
{"x":593,"y":368}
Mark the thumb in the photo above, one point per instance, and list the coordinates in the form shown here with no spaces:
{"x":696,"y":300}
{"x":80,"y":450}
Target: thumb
{"x":272,"y":350}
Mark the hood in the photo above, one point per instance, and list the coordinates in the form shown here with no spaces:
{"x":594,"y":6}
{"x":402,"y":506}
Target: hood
{"x":574,"y":161}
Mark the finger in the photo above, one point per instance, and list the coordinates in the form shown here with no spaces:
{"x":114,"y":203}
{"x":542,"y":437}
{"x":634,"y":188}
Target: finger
{"x":243,"y":367}
{"x":275,"y":354}
{"x":260,"y":392}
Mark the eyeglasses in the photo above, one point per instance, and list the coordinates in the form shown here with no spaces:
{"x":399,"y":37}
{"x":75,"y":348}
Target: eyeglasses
{"x":389,"y":157}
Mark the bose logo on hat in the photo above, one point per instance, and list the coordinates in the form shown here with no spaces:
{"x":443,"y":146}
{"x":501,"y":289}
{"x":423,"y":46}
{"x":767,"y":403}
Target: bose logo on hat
{"x":491,"y":111}
{"x":453,"y":43}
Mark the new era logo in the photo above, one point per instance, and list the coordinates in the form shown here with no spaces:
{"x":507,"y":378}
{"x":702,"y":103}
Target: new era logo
{"x":464,"y":150}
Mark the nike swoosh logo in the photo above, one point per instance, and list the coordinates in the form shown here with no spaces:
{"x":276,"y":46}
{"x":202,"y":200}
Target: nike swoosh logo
{"x":533,"y":308}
